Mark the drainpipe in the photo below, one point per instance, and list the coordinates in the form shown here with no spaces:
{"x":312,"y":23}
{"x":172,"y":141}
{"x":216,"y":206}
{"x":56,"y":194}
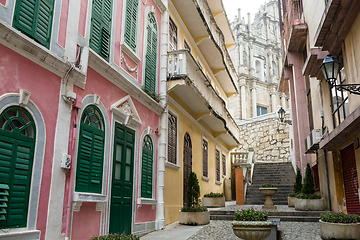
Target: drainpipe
{"x":160,"y":218}
{"x":70,"y":172}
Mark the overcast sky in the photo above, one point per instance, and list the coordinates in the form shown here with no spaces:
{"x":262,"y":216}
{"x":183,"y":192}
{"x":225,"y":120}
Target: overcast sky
{"x":246,"y":6}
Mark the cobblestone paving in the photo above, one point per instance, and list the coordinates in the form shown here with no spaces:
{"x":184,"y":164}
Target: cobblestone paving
{"x":220,"y":229}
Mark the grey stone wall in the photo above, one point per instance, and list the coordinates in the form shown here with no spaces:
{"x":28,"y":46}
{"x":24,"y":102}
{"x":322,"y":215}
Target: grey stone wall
{"x":268,"y":137}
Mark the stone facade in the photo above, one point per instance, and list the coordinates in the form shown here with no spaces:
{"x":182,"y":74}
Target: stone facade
{"x":267,"y":136}
{"x":257,"y":60}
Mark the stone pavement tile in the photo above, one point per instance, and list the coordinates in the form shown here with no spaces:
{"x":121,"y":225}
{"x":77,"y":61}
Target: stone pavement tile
{"x":221,"y":229}
{"x":173,"y":231}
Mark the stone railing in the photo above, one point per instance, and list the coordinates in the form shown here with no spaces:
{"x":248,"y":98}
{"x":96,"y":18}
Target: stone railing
{"x":246,"y":161}
{"x":182,"y":64}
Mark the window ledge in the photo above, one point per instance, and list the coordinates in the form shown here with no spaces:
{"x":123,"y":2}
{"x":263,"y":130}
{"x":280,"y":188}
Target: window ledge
{"x":80,"y":197}
{"x":224,"y":176}
{"x":130,"y":53}
{"x":171,"y":165}
{"x":27,"y":234}
{"x":146,"y":201}
{"x":39,"y":54}
{"x":218,"y":182}
{"x":205,"y":178}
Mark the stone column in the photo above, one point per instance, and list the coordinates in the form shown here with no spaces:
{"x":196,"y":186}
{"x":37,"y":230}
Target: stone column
{"x":253,"y":100}
{"x":242,"y":84}
{"x":283,"y":101}
{"x":273,"y":101}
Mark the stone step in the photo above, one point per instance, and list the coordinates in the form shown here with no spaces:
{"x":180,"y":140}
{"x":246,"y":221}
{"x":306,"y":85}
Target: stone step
{"x":293,"y":216}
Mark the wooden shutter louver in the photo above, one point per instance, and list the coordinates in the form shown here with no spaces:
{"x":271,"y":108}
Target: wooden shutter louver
{"x":17,"y":142}
{"x":4,"y":195}
{"x":147,"y":168}
{"x":91,"y":151}
{"x":131,"y":23}
{"x":224,"y":164}
{"x":34,"y":19}
{"x":151,"y":50}
{"x":217,"y":164}
{"x":100,"y":32}
{"x":205,"y":157}
{"x":172,"y":138}
{"x":173,"y":35}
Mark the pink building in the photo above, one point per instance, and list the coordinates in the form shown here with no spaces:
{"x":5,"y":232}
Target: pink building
{"x":79,"y":117}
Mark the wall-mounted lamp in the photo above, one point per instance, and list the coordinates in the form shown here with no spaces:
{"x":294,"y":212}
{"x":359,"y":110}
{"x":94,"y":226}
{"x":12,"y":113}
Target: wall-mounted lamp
{"x":330,"y":68}
{"x":281,"y":114}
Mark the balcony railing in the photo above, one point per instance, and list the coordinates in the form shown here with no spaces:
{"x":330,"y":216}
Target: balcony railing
{"x":182,"y":64}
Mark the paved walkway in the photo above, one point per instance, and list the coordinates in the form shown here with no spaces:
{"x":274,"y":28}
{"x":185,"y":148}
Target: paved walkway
{"x":221,"y":229}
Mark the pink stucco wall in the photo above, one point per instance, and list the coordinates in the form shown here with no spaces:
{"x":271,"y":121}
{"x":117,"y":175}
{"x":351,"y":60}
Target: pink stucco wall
{"x":82,"y":18}
{"x":86,"y":223}
{"x":109,"y":94}
{"x":63,"y":22}
{"x":3,"y":2}
{"x":17,"y":72}
{"x":141,"y":37}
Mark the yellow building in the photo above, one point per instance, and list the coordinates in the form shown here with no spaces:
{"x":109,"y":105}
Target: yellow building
{"x":200,"y":129}
{"x":330,"y":107}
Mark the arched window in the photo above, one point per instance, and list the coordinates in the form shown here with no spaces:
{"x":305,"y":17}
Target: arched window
{"x":147,"y":168}
{"x":274,"y":68}
{"x":89,"y":170}
{"x":131,"y":17}
{"x":151,"y":50}
{"x":244,"y":58}
{"x":17,"y":143}
{"x":258,"y":70}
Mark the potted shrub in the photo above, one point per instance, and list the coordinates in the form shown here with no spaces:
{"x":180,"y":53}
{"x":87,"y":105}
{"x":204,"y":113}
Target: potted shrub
{"x":116,"y":236}
{"x":213,"y":200}
{"x":339,"y":226}
{"x":251,"y":224}
{"x":193,"y":213}
{"x":268,"y":190}
{"x":307,"y":200}
{"x":296,"y":189}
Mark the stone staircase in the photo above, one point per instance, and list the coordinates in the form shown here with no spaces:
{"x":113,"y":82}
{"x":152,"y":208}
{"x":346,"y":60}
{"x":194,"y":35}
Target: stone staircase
{"x":285,"y":216}
{"x":281,"y":175}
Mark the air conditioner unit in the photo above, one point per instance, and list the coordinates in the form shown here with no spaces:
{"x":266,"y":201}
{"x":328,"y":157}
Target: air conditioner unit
{"x":312,"y":141}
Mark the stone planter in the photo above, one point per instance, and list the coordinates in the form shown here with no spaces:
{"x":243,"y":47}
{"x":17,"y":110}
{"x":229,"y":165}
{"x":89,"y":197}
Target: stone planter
{"x":339,"y":230}
{"x":194,"y":218}
{"x":252,"y":230}
{"x":309,"y":204}
{"x":213,"y":202}
{"x":268,"y":192}
{"x":291,"y":201}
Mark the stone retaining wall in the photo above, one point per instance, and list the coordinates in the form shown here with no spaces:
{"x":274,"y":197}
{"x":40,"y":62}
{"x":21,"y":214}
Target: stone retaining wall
{"x":268,"y":137}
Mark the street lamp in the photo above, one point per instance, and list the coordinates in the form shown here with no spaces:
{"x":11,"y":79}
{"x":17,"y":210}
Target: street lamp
{"x":330,"y":69}
{"x":281,"y":114}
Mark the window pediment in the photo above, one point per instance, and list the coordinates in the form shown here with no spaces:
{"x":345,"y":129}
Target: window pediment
{"x":126,"y":110}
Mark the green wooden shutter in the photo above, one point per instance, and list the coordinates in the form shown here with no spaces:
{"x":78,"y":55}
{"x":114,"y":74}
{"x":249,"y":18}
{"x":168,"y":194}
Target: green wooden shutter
{"x":34,"y":18}
{"x":131,"y":23}
{"x":151,"y":50}
{"x":100,"y":31}
{"x":147,"y":168}
{"x":89,"y":170}
{"x":17,"y":142}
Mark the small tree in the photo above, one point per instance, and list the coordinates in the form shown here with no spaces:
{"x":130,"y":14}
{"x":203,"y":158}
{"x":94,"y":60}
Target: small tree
{"x":193,"y":190}
{"x":298,"y":179}
{"x":308,"y":186}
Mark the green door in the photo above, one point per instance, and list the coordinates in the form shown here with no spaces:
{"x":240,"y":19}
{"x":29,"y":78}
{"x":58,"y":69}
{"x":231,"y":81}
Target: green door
{"x":122,"y":180}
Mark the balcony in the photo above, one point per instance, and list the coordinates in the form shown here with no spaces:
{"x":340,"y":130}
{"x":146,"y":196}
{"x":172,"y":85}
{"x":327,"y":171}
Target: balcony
{"x":202,"y":101}
{"x":210,"y":39}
